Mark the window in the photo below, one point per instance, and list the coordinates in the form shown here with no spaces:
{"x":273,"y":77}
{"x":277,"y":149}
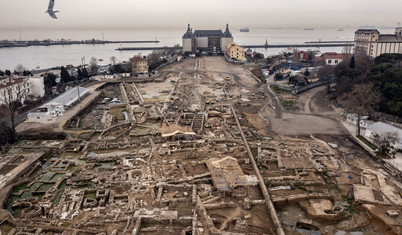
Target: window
{"x":336,"y":61}
{"x":329,"y":61}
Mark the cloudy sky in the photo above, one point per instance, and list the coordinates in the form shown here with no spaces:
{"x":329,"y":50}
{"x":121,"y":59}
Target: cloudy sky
{"x":129,"y":14}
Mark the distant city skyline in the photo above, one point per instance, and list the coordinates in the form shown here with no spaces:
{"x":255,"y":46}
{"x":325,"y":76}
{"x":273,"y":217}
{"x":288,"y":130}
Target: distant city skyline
{"x":129,"y":14}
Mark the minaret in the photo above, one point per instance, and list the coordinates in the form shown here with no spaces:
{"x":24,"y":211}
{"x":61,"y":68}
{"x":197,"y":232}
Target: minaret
{"x":188,"y":40}
{"x":266,"y":43}
{"x":226,"y":38}
{"x":227,"y":33}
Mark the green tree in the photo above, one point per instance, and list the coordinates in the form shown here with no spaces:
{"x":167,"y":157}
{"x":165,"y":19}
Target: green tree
{"x":64,"y":75}
{"x":352,"y":63}
{"x":392,"y":58}
{"x":388,"y":80}
{"x":79,"y":74}
{"x":49,"y":79}
{"x":84,"y":73}
{"x":7,"y":72}
{"x":278,"y":76}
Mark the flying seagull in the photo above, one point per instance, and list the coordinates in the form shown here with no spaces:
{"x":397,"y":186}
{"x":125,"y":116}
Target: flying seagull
{"x":50,"y":10}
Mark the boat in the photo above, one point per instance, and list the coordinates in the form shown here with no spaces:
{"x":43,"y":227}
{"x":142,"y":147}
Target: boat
{"x":339,"y":30}
{"x":308,"y":28}
{"x":245,"y":30}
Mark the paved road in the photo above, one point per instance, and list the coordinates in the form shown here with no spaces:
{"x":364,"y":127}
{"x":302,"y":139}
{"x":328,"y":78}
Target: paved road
{"x":275,"y":101}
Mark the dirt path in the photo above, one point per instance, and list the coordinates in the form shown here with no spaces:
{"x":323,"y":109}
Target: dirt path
{"x":311,"y":116}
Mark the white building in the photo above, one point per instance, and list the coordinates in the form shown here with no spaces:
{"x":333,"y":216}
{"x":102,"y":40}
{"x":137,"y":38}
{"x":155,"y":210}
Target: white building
{"x":57,"y":106}
{"x":381,"y":128}
{"x":369,"y":42}
{"x":14,"y":86}
{"x":352,"y":119}
{"x":333,"y":58}
{"x":206,"y":40}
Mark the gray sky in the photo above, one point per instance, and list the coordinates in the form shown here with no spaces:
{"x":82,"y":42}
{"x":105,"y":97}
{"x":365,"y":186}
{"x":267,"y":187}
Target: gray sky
{"x":129,"y":14}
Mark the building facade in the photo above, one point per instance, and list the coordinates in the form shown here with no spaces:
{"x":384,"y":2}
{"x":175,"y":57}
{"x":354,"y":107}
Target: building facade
{"x":13,"y":88}
{"x":235,"y":52}
{"x":206,"y":40}
{"x":333,"y":58}
{"x":140,"y":65}
{"x":369,"y":42}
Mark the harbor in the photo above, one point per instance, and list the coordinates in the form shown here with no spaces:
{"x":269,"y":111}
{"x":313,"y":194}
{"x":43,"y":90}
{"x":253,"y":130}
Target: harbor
{"x":266,"y":46}
{"x":8,"y":44}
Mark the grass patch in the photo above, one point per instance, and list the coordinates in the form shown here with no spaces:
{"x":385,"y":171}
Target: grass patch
{"x":261,"y":168}
{"x":368,"y":143}
{"x":257,"y":72}
{"x":254,"y":151}
{"x":289,"y":103}
{"x":304,"y":189}
{"x":350,"y":208}
{"x":279,"y":91}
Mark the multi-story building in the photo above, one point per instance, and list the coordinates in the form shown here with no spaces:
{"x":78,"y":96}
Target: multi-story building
{"x":140,"y":65}
{"x":369,"y":42}
{"x":14,"y":88}
{"x":206,"y":40}
{"x":236,"y":52}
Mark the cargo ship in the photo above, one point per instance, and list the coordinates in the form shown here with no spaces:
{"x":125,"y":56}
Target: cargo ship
{"x":245,"y":30}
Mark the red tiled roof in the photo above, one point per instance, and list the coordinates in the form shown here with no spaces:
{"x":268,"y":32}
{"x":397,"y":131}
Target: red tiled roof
{"x":137,"y":59}
{"x":6,"y":82}
{"x":333,"y":55}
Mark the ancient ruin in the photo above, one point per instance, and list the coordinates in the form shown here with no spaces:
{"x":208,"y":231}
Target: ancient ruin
{"x":187,"y":154}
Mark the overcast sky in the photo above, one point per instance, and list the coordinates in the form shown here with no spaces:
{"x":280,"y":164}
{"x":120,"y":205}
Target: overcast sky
{"x":129,"y":14}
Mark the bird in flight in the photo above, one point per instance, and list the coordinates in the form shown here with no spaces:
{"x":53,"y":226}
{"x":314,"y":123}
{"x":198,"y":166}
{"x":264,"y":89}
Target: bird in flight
{"x":50,"y":10}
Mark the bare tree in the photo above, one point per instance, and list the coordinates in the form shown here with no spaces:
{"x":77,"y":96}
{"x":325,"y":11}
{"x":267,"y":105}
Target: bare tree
{"x":113,"y":60}
{"x":386,"y":140}
{"x":93,"y":66}
{"x":326,"y":73}
{"x":362,"y":99}
{"x":19,"y":68}
{"x":154,"y":56}
{"x":13,"y":96}
{"x":346,"y":53}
